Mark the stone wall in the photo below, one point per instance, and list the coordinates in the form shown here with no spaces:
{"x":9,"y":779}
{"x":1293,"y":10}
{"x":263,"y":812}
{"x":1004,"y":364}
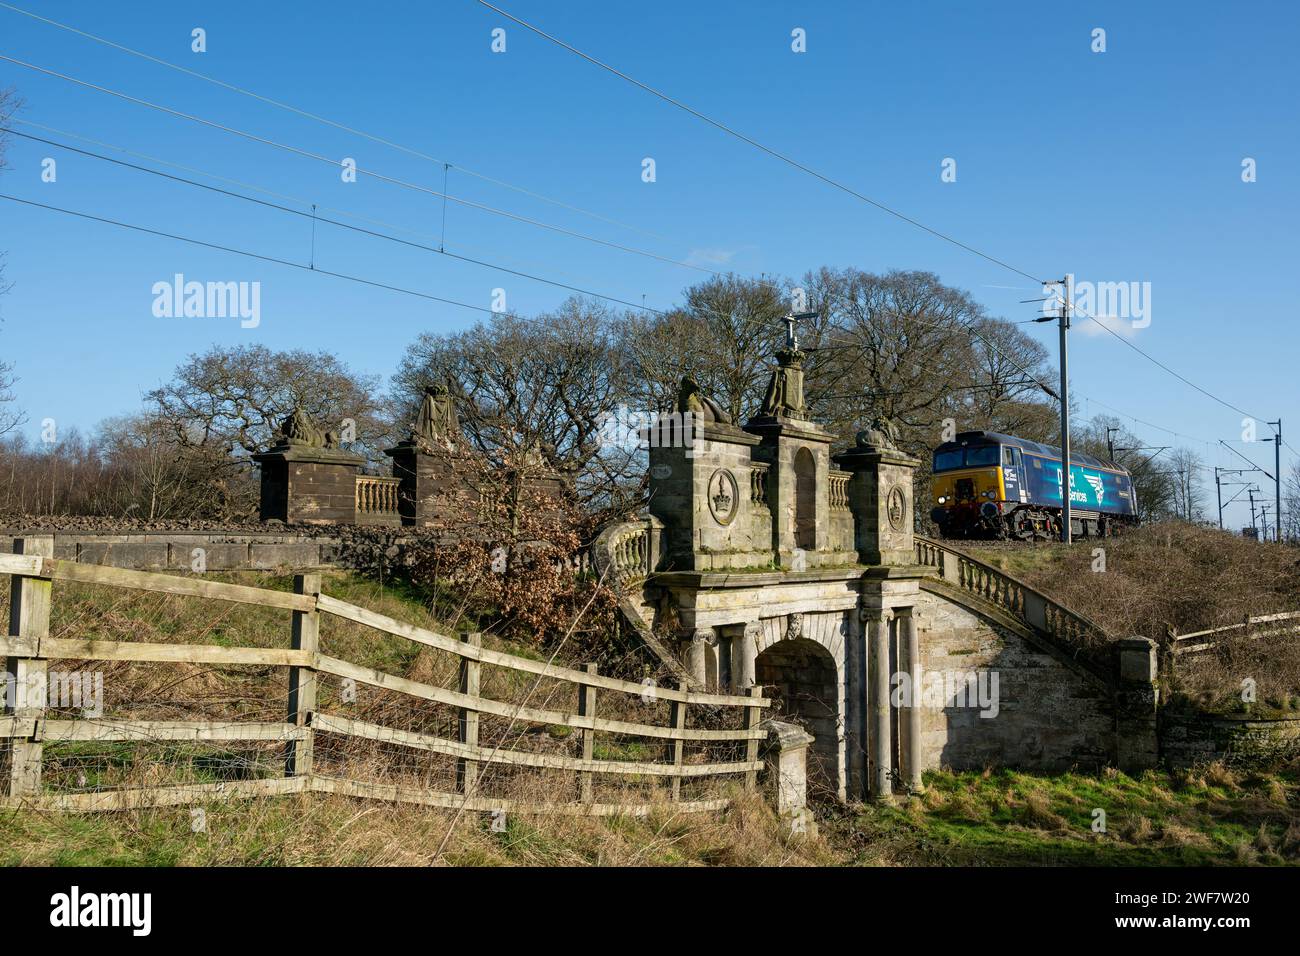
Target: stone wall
{"x":1051,"y":716}
{"x":1187,"y":739}
{"x":175,"y":550}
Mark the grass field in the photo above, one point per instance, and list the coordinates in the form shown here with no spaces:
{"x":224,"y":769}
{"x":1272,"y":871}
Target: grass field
{"x":996,"y":818}
{"x":1211,"y":817}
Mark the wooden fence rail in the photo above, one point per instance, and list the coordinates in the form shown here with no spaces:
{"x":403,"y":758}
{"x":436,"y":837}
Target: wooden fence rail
{"x":1261,"y":625}
{"x":26,"y":726}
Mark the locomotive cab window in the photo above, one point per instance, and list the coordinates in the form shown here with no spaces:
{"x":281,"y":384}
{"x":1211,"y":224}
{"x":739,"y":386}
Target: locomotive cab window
{"x":947,"y":460}
{"x":982,"y":456}
{"x":1009,"y":456}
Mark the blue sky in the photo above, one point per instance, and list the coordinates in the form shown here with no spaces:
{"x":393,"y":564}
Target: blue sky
{"x":1115,"y":166}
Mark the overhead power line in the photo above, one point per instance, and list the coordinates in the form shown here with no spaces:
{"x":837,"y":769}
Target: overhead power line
{"x":756,"y":144}
{"x":332,"y":222}
{"x":243,"y":252}
{"x":837,"y":184}
{"x":305,"y":203}
{"x":278,"y":104}
{"x":483,"y":207}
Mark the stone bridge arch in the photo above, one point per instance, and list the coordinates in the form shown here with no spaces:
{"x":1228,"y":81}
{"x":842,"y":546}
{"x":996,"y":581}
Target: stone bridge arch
{"x":801,"y":663}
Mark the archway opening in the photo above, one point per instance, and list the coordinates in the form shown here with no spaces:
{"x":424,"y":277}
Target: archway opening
{"x":800,"y":677}
{"x":805,"y":500}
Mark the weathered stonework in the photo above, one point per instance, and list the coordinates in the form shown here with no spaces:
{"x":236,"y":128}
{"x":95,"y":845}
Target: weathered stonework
{"x":1188,"y":739}
{"x":1051,"y":716}
{"x":703,"y":493}
{"x":881,"y":502}
{"x":309,"y":485}
{"x":436,"y":484}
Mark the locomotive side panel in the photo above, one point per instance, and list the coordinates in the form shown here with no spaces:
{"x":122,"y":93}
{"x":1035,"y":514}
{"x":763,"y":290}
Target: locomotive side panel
{"x":1091,"y":489}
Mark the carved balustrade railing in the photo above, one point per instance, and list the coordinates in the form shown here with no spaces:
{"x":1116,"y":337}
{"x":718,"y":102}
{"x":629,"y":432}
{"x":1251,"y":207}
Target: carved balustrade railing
{"x":376,"y":496}
{"x":758,"y":483}
{"x":1013,"y":596}
{"x":838,"y":487}
{"x":624,"y":554}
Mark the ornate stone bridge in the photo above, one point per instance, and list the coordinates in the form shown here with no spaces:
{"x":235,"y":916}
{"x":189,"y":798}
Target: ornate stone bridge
{"x":765,"y":559}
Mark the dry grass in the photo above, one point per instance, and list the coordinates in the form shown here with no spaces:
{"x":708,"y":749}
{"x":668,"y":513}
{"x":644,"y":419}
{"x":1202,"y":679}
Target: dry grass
{"x":1178,"y":576}
{"x":337,"y":831}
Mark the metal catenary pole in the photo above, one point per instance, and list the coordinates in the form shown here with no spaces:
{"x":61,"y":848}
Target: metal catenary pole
{"x":1067,"y":298}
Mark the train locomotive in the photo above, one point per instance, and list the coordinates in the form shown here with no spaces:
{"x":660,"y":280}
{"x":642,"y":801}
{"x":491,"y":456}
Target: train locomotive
{"x":988,"y":485}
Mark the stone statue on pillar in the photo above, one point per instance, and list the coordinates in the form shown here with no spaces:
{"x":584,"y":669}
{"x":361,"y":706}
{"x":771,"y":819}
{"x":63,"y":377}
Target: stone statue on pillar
{"x":880,"y":435}
{"x":437,"y":423}
{"x":297,"y":430}
{"x":784,"y":397}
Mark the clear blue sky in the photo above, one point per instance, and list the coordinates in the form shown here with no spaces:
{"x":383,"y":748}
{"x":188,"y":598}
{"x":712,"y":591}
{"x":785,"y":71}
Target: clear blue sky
{"x":1115,"y":166}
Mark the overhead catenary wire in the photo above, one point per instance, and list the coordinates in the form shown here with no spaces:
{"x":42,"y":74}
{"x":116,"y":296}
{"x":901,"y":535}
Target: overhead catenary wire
{"x":244,"y":252}
{"x":391,"y":180}
{"x":446,"y":197}
{"x":483,"y":263}
{"x":333,"y":222}
{"x":242,"y":184}
{"x":775,"y":153}
{"x":441,"y":250}
{"x":835,"y":183}
{"x":289,"y":107}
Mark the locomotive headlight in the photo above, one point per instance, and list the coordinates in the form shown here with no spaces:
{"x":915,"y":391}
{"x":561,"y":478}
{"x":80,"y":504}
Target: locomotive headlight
{"x":943,"y":499}
{"x":988,"y":494}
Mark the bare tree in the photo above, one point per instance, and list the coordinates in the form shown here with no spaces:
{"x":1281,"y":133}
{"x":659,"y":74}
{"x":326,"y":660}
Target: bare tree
{"x":1291,"y":504}
{"x":10,"y":416}
{"x":237,"y":398}
{"x":541,"y":386}
{"x":227,"y":403}
{"x":1185,"y":467}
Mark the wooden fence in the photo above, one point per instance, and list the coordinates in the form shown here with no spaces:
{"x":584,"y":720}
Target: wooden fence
{"x":1261,"y":625}
{"x":29,"y":647}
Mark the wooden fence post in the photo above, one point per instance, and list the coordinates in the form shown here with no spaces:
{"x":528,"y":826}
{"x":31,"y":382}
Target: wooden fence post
{"x":467,"y":720}
{"x":27,"y":677}
{"x":587,"y":708}
{"x":677,"y":749}
{"x":300,"y":754}
{"x":753,"y":714}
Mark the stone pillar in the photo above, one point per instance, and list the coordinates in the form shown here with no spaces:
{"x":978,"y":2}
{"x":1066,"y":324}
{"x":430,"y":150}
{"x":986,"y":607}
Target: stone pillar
{"x":699,"y":646}
{"x":787,"y":766}
{"x":881,"y":740}
{"x":881,"y":498}
{"x":439,"y":486}
{"x":911,"y":643}
{"x":744,"y":652}
{"x":701,"y":488}
{"x":1136,"y":699}
{"x":309,"y":485}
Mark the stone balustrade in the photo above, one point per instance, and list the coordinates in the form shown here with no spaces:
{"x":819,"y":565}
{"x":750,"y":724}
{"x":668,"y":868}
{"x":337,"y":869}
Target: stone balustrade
{"x":758,"y":483}
{"x":1012,"y":596}
{"x":838,"y":488}
{"x":377,"y":500}
{"x":626,"y":553}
